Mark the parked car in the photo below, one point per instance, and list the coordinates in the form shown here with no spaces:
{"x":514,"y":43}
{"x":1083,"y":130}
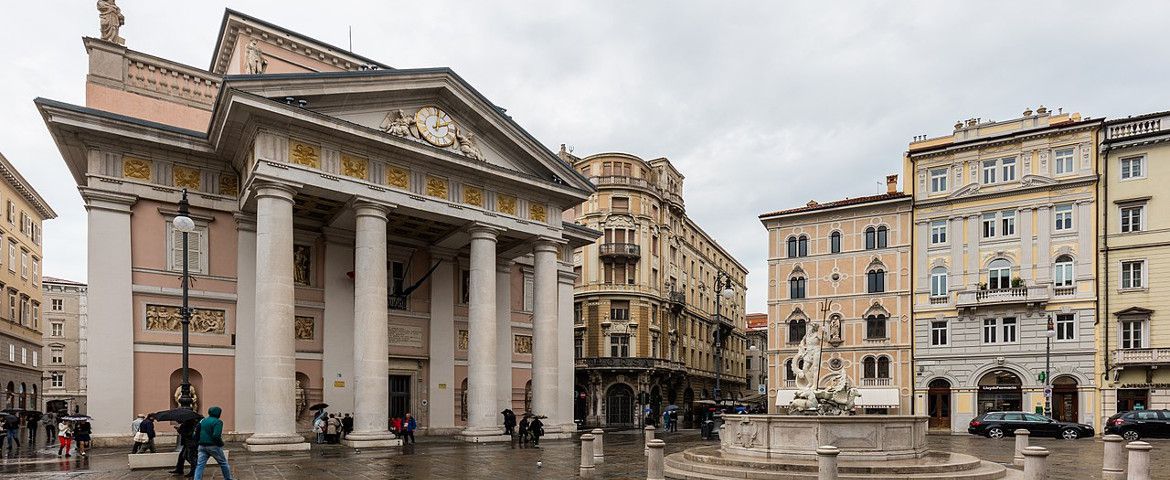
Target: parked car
{"x":999,"y":424}
{"x":1136,"y":424}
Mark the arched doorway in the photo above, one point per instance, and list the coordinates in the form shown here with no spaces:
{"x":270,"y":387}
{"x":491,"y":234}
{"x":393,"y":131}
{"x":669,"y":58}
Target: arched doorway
{"x":59,"y":407}
{"x":999,"y":391}
{"x":580,"y":404}
{"x":619,"y":405}
{"x":1065,"y":405}
{"x":938,"y":404}
{"x":687,"y":407}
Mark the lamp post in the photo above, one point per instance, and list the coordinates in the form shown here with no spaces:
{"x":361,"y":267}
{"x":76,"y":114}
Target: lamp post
{"x":183,"y":223}
{"x":1051,"y":332}
{"x":722,"y":290}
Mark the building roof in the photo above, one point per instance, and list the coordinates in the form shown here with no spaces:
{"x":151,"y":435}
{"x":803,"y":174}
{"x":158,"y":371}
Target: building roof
{"x":61,"y":281}
{"x":25,"y":189}
{"x":757,"y":321}
{"x":813,"y":205}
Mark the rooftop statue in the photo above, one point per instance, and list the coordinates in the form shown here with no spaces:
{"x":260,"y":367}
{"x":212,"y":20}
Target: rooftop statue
{"x":839,"y":393}
{"x":110,"y":16}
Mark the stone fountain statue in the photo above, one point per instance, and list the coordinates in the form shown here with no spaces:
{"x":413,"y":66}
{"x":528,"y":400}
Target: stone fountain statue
{"x":838,"y":395}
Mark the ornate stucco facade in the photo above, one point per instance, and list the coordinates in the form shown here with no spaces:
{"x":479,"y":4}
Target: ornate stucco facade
{"x":1133,"y":335}
{"x":382,"y":240}
{"x":1004,"y":222}
{"x":644,"y":298}
{"x":21,"y":217}
{"x":845,"y":266}
{"x":64,"y":356}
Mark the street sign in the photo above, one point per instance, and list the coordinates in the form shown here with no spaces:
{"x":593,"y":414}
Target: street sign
{"x":1047,"y":392}
{"x":762,"y":389}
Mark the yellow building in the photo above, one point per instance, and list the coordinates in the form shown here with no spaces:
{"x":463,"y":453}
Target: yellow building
{"x":1004,"y":247}
{"x":843,"y":265}
{"x":645,"y":298}
{"x":20,"y":281}
{"x":1134,"y":331}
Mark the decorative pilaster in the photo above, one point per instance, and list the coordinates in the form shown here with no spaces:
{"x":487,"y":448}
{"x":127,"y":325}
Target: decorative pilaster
{"x":441,"y":344}
{"x":544,"y":329}
{"x":245,"y":360}
{"x":504,"y":334}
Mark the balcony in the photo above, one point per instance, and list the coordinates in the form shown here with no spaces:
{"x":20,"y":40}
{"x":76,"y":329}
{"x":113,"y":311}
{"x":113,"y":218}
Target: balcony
{"x":1066,"y":291}
{"x":676,"y":201}
{"x":1135,"y":128}
{"x":628,"y":363}
{"x":678,"y":301}
{"x":1141,"y":356}
{"x":875,"y":382}
{"x":629,"y":252}
{"x":619,"y":180}
{"x":1031,"y":295}
{"x":940,"y":300}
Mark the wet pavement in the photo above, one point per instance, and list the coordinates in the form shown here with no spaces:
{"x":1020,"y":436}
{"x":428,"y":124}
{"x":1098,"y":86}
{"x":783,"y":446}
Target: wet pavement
{"x":442,"y":457}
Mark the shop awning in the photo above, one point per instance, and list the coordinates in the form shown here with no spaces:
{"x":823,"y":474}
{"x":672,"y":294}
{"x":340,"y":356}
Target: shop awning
{"x":878,"y":398}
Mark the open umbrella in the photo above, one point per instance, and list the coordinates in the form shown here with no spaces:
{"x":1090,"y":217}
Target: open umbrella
{"x":671,"y":407}
{"x":179,"y":415}
{"x":319,"y":406}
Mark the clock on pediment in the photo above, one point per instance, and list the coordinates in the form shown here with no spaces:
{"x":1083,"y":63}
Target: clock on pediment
{"x":435,"y":126}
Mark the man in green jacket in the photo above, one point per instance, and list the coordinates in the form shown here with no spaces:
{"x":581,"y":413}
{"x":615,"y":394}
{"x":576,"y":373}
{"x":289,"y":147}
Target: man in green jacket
{"x":209,"y":437}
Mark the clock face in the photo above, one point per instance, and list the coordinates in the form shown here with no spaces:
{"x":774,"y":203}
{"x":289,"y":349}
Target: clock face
{"x":435,"y":126}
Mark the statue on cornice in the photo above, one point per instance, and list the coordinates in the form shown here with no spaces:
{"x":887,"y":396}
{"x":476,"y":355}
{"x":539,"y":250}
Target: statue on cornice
{"x":256,"y":64}
{"x":111,"y":19}
{"x":467,"y":146}
{"x":398,"y":124}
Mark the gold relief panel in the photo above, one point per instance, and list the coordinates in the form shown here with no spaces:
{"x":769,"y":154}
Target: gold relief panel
{"x":354,"y":166}
{"x":398,"y":177}
{"x":185,"y":177}
{"x":135,"y":168}
{"x":537,"y":212}
{"x":506,"y":204}
{"x":473,"y":195}
{"x":522,"y":344}
{"x":303,"y":327}
{"x":168,"y":319}
{"x":305,"y":154}
{"x":462,"y":343}
{"x":229,"y":185}
{"x":436,"y":187}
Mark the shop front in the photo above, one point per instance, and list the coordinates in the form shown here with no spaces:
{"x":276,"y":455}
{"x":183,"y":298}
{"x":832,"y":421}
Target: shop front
{"x":999,"y":391}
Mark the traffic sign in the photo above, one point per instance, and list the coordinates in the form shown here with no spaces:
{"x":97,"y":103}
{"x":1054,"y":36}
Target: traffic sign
{"x":1047,"y":392}
{"x":762,"y":389}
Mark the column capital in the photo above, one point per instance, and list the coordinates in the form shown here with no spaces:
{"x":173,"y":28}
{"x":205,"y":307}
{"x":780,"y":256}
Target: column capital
{"x":369,"y":208}
{"x":103,"y":200}
{"x":484,"y":231}
{"x":245,"y":221}
{"x":547,"y":244}
{"x":273,"y":189}
{"x":339,"y":235}
{"x":504,"y":265}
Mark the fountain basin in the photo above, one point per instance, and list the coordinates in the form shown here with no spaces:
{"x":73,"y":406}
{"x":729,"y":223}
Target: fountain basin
{"x":796,"y":437}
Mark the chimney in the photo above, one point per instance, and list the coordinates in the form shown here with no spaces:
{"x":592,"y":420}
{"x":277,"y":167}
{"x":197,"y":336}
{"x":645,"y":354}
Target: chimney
{"x":892,"y":183}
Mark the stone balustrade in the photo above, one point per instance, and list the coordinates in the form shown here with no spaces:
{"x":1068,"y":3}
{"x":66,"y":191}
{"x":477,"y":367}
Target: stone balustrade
{"x":1135,"y":128}
{"x":162,"y":77}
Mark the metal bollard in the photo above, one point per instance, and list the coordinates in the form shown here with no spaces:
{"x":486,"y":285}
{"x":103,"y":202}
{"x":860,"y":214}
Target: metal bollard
{"x":648,"y":435}
{"x":586,"y":452}
{"x":655,"y":468}
{"x":1022,"y":437}
{"x":1113,"y":468}
{"x":827,"y":462}
{"x":598,"y":445}
{"x":1139,"y":460}
{"x":1035,"y":463}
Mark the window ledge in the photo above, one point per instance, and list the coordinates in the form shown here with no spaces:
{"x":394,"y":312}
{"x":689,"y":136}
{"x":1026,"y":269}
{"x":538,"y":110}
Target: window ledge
{"x":1132,"y":290}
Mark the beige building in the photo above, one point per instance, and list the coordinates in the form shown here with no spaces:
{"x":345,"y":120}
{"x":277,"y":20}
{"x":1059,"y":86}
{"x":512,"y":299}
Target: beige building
{"x":64,"y":354}
{"x":843,"y":265}
{"x":645,"y":306}
{"x":1133,"y":336}
{"x":20,"y":288}
{"x":757,"y":358}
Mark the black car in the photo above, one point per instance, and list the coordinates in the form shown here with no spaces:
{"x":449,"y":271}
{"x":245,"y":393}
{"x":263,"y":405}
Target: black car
{"x":1138,"y":424}
{"x":999,"y":424}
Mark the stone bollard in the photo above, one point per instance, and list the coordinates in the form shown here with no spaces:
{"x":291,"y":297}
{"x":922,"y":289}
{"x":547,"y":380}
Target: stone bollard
{"x":586,"y":452}
{"x":1022,"y":437}
{"x":1139,"y":460}
{"x":648,"y":435}
{"x":1035,"y":463}
{"x":655,"y":468}
{"x":598,"y":445}
{"x":827,"y":462}
{"x":1113,"y":468}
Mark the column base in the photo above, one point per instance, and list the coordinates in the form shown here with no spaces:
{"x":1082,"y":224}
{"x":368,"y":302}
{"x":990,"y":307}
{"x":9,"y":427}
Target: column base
{"x":276,"y":443}
{"x":371,"y":440}
{"x":484,"y":435}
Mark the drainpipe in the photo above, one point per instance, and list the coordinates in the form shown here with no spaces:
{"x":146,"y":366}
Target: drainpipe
{"x":1104,"y":205}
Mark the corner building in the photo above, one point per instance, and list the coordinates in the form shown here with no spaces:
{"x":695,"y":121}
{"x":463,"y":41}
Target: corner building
{"x":1004,"y":243}
{"x":645,"y":316}
{"x":383,"y":240}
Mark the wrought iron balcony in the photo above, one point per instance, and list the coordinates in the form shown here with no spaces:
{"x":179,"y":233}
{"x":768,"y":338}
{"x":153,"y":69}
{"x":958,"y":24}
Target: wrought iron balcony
{"x":624,"y":251}
{"x":1035,"y":295}
{"x":628,"y":363}
{"x":1142,"y":356}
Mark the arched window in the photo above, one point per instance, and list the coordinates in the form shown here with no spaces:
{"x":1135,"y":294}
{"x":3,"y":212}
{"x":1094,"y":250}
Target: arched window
{"x":791,"y":247}
{"x":1062,"y":273}
{"x":796,"y":287}
{"x":938,"y":282}
{"x":835,"y":242}
{"x":870,"y":238}
{"x":875,"y":327}
{"x":802,"y":246}
{"x":869,"y":368}
{"x":999,"y":274}
{"x":796,"y":330}
{"x":881,"y":237}
{"x":875,"y":281}
{"x":883,"y":367}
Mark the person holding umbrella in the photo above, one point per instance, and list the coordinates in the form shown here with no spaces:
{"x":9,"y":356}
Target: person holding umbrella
{"x":187,"y":420}
{"x":536,"y":430}
{"x":524,"y":429}
{"x":509,"y":422}
{"x":12,"y":429}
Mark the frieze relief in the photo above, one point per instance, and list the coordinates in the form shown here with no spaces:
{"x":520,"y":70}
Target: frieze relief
{"x":185,"y":177}
{"x":354,"y":166}
{"x":169,"y":319}
{"x":303,"y":327}
{"x":522,"y":344}
{"x":433,"y":126}
{"x":305,"y":154}
{"x":506,"y":204}
{"x":461,"y":343}
{"x":229,"y":185}
{"x":436,"y":187}
{"x":537,"y":213}
{"x":473,"y":195}
{"x":398,"y":177}
{"x":136,"y":168}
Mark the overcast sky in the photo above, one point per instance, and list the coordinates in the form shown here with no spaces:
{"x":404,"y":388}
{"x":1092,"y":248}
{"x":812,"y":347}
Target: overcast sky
{"x":761,"y":105}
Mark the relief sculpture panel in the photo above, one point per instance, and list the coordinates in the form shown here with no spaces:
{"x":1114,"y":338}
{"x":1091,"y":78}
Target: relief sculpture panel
{"x":522,"y":344}
{"x":304,"y":154}
{"x":169,"y":319}
{"x":303,"y":327}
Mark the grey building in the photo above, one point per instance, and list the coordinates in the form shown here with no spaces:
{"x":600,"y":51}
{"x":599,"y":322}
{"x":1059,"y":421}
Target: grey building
{"x":64,"y":381}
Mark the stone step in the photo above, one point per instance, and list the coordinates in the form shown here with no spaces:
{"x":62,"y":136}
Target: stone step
{"x":940,"y":462}
{"x":677,"y":467}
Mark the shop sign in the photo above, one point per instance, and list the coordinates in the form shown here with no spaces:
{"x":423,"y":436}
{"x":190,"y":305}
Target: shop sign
{"x":999,"y":388}
{"x":1144,"y":385}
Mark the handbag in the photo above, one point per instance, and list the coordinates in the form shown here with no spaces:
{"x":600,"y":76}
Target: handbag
{"x":141,"y":437}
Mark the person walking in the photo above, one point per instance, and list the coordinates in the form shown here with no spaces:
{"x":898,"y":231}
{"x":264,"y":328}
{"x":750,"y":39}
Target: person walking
{"x":135,"y":429}
{"x":408,"y":426}
{"x":189,"y":444}
{"x":146,"y":433}
{"x":346,"y":426}
{"x":64,"y":437}
{"x":509,"y":422}
{"x":81,"y":435}
{"x":536,"y":430}
{"x":332,"y":426}
{"x":319,"y":429}
{"x":50,"y":423}
{"x":523,"y":432}
{"x":12,"y":431}
{"x":210,"y":444}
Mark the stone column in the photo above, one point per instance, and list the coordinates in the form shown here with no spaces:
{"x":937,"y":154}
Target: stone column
{"x":481,"y":326}
{"x":371,"y":331}
{"x":441,"y":346}
{"x":827,"y":462}
{"x":504,"y":335}
{"x":1113,"y":467}
{"x":566,"y":363}
{"x":655,"y":464}
{"x":275,"y":348}
{"x":1035,"y":463}
{"x":1139,"y":460}
{"x":245,"y":359}
{"x":1021,"y":443}
{"x":544,"y":330}
{"x":587,"y":451}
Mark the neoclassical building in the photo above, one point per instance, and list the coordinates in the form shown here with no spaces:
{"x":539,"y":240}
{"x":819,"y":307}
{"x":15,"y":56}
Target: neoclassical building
{"x":645,"y":312}
{"x":1004,"y":247}
{"x":65,"y":355}
{"x":845,"y":266}
{"x":383,"y":240}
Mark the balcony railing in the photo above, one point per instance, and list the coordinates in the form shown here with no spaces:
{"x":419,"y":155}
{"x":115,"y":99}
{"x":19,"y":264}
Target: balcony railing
{"x":625,"y":251}
{"x":1142,"y":356}
{"x":1135,"y":128}
{"x":1064,"y":291}
{"x":620,"y":181}
{"x":629,"y":363}
{"x":675,"y":200}
{"x":1035,"y":294}
{"x":875,"y":382}
{"x":790,"y":384}
{"x":940,"y":300}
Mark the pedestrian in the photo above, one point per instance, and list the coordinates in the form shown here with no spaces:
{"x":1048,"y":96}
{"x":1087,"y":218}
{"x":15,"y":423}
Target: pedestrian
{"x":189,"y":451}
{"x":524,"y":430}
{"x":50,"y":423}
{"x":396,"y":425}
{"x":346,"y":426}
{"x":64,"y":437}
{"x":666,"y":421}
{"x":674,"y":420}
{"x":408,"y":426}
{"x":332,"y":427}
{"x":536,"y":430}
{"x":147,"y":429}
{"x":210,"y":434}
{"x":81,"y":437}
{"x":319,"y":429}
{"x":509,"y":422}
{"x":12,"y":431}
{"x":33,"y":428}
{"x":135,"y":429}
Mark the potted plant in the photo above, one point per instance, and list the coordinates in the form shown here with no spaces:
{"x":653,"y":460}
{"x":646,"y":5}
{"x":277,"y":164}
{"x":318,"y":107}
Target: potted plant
{"x":982,"y":285}
{"x":1017,"y":282}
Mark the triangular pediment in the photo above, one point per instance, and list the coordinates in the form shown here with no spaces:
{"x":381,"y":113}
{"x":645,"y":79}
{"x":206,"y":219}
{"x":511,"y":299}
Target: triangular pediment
{"x":1134,"y":311}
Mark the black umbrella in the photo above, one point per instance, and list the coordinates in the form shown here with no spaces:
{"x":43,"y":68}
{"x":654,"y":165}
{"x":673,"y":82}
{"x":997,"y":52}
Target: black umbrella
{"x":177,"y":415}
{"x":319,"y":406}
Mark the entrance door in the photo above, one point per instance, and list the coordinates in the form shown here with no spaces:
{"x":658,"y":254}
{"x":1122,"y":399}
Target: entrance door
{"x":619,"y":405}
{"x":1064,"y":399}
{"x":939,"y":404}
{"x":399,"y":395}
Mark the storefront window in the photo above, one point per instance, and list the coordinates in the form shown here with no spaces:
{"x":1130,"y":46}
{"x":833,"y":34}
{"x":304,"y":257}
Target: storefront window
{"x":1000,"y":390}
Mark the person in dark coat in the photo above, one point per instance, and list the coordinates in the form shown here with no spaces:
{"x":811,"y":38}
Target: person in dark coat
{"x":33,"y":427}
{"x":189,"y":446}
{"x":12,"y":431}
{"x":509,"y":422}
{"x":523,"y":432}
{"x":147,"y":427}
{"x":536,"y":430}
{"x":346,"y":425}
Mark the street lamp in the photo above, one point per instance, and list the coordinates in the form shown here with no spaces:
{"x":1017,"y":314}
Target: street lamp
{"x":1051,"y":332}
{"x":183,"y":223}
{"x":722,"y":290}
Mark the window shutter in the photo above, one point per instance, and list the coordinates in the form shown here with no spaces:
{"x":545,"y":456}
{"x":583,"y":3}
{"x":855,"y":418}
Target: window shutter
{"x":176,"y":249}
{"x":194,"y":250}
{"x":528,"y":294}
